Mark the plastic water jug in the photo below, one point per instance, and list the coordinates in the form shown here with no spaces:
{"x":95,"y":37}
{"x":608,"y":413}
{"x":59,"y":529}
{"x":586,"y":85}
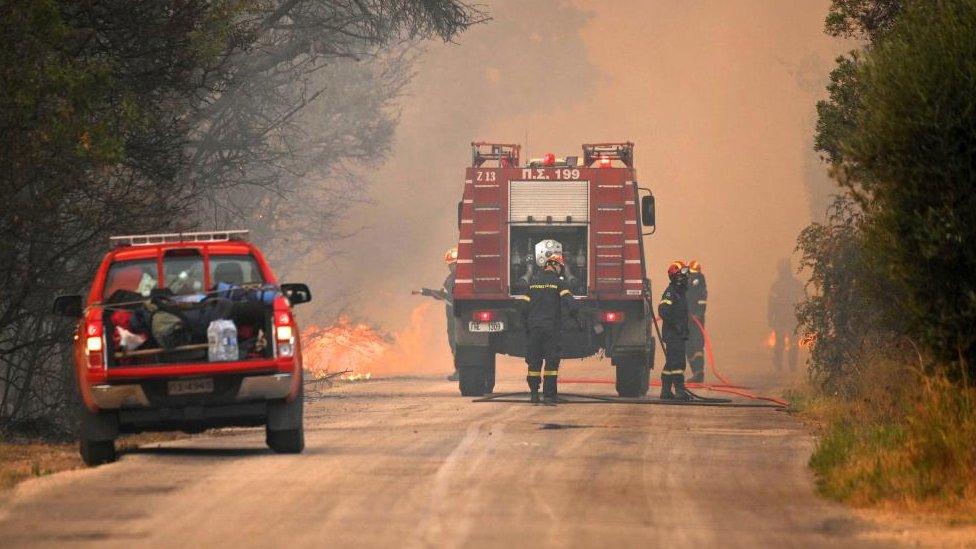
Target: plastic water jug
{"x":222,"y":341}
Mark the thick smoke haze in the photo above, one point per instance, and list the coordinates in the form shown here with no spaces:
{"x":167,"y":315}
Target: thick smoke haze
{"x":718,"y":95}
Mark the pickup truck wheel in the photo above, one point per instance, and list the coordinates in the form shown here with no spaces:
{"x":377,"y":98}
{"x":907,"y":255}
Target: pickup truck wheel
{"x":285,"y":430}
{"x":97,"y":431}
{"x":286,"y":442}
{"x":97,"y":452}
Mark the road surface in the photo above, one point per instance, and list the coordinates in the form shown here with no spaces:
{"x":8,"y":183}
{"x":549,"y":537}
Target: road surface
{"x":408,"y":463}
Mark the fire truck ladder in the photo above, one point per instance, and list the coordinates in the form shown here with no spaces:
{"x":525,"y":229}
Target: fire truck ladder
{"x":505,"y":155}
{"x":594,"y":152}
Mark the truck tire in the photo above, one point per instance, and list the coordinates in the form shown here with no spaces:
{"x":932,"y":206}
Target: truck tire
{"x":629,"y":378}
{"x":474,"y":364}
{"x":285,"y":430}
{"x":490,"y":376}
{"x":97,"y":452}
{"x":633,"y":375}
{"x":97,"y":431}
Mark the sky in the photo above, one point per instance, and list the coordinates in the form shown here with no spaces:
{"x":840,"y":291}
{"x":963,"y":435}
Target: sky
{"x":718,"y":95}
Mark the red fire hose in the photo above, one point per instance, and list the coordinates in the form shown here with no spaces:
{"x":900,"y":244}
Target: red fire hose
{"x":724,"y":387}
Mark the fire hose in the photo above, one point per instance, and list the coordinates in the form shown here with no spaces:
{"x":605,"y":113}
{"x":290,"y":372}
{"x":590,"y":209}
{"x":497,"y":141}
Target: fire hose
{"x":724,"y":387}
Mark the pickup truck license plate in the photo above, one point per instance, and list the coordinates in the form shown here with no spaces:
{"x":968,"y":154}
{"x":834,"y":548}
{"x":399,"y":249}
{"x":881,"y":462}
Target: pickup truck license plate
{"x":486,"y":326}
{"x":191,"y":386}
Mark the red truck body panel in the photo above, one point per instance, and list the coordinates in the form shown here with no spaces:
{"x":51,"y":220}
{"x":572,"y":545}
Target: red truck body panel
{"x":616,"y":265}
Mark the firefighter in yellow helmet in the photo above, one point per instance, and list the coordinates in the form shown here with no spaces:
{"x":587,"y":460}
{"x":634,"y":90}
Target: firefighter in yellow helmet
{"x":450,"y":258}
{"x":547,"y":297}
{"x":673,"y":311}
{"x":697,"y":299}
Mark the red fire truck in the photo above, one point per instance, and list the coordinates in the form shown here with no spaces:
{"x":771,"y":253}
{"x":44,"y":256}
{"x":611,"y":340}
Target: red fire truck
{"x":592,"y":210}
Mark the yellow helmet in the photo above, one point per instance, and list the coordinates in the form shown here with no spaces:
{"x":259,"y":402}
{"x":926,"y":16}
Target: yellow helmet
{"x":694,"y":266}
{"x":451,"y":256}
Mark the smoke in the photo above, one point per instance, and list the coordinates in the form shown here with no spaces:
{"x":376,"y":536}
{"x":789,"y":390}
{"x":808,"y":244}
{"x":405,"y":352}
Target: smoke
{"x":718,"y":95}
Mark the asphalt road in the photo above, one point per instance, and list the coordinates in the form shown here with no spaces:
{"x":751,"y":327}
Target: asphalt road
{"x":408,"y":463}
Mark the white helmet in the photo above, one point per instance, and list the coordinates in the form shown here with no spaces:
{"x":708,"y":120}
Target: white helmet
{"x":546,"y":248}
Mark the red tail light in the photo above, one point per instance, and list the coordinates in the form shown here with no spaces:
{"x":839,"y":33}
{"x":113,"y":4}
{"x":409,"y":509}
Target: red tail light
{"x":94,"y":345}
{"x":611,"y":317}
{"x":604,"y":162}
{"x":484,"y":316}
{"x":284,"y":333}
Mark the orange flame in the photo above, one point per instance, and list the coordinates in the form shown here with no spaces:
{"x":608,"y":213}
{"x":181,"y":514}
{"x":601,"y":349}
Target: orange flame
{"x":770,"y":341}
{"x":419,"y":347}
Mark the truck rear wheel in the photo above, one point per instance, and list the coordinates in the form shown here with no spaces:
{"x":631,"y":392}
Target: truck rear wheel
{"x":476,"y":370}
{"x":97,"y":431}
{"x":97,"y":452}
{"x":285,"y":430}
{"x":633,"y":376}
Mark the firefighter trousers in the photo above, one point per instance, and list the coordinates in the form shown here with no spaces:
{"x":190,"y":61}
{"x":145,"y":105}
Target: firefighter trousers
{"x":674,"y":360}
{"x":695,"y":349}
{"x":543,"y":346}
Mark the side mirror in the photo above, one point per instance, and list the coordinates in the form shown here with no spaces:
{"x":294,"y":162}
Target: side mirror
{"x":68,"y":305}
{"x":647,"y":211}
{"x":297,"y":293}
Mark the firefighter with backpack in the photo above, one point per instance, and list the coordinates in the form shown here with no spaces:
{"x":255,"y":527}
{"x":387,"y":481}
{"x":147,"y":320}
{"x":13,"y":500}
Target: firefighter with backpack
{"x":673,"y":310}
{"x":697,"y":300}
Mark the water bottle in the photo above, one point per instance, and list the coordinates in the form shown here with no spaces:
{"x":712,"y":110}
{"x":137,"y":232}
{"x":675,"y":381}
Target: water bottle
{"x":222,"y":341}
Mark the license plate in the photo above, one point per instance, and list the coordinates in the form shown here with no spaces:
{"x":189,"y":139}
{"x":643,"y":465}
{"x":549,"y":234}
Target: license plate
{"x":190,"y":386}
{"x":486,"y":326}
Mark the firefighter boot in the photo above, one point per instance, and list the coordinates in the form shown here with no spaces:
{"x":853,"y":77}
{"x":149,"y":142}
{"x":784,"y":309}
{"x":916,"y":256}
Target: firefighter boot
{"x":549,"y":392}
{"x":666,"y":384}
{"x":697,"y":376}
{"x":533,"y":380}
{"x":680,"y":393}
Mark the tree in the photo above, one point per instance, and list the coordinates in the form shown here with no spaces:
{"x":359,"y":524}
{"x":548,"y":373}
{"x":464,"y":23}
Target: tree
{"x":125,"y":117}
{"x":915,"y":139}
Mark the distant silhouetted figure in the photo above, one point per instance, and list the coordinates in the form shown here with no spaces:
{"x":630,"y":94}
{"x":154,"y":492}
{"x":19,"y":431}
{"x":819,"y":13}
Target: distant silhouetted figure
{"x":785,"y":293}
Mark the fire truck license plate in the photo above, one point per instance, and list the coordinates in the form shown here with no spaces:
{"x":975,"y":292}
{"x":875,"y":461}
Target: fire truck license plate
{"x":486,"y":326}
{"x":190,"y":386}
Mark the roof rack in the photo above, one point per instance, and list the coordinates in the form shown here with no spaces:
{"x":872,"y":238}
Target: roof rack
{"x":593,"y":152}
{"x":167,"y":238}
{"x":506,"y":155}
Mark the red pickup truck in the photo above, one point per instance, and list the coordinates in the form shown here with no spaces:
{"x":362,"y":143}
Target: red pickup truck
{"x":186,"y":331}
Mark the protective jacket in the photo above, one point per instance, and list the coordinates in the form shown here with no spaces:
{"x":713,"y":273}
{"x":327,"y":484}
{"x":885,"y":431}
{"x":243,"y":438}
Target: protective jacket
{"x":697,"y":295}
{"x":547,"y":296}
{"x":673,"y":311}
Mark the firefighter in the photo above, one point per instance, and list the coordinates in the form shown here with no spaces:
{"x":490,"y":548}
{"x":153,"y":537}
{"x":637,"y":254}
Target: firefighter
{"x":673,"y":311}
{"x":450,"y":257}
{"x":697,"y":298}
{"x":785,"y":293}
{"x":547,"y":296}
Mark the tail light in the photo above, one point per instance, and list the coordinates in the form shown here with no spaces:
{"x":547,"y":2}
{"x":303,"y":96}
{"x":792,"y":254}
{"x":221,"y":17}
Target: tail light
{"x":611,"y":317}
{"x":284,"y":334}
{"x":604,"y":162}
{"x":94,"y":345}
{"x":484,"y":316}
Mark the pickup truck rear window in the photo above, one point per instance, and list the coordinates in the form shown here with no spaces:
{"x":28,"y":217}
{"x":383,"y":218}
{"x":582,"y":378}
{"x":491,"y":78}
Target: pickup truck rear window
{"x":182,"y":274}
{"x":234,"y":269}
{"x":139,"y":276}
